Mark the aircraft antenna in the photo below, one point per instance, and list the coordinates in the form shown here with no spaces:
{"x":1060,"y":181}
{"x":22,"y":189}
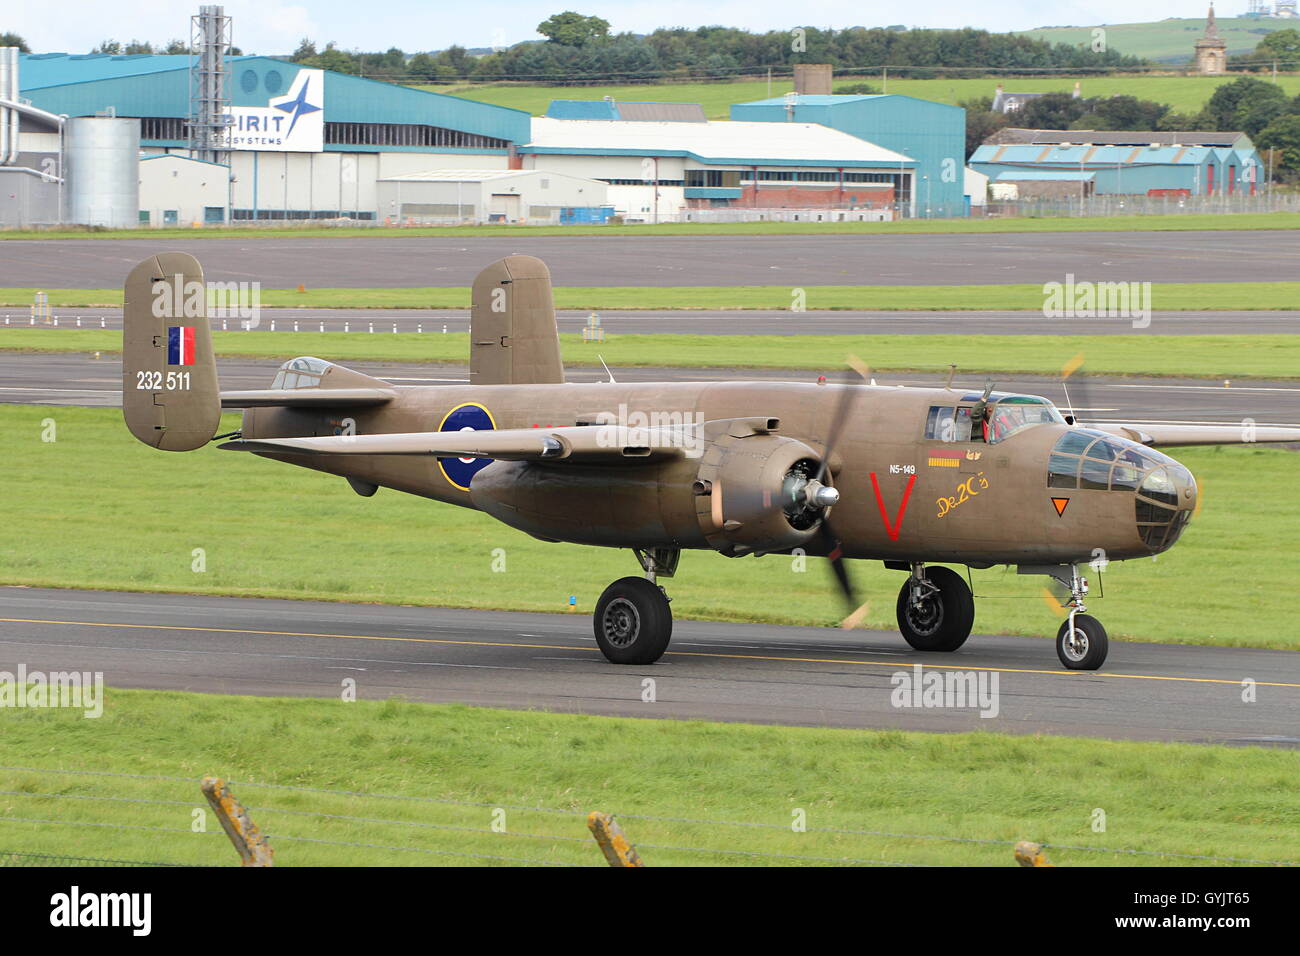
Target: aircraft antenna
{"x":607,"y":371}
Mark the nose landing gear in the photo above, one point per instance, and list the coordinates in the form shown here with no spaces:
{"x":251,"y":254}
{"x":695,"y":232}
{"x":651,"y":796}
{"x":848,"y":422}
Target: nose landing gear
{"x":1081,"y":641}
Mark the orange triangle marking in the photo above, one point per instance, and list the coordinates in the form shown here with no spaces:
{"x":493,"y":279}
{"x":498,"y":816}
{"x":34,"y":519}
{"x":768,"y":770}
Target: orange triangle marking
{"x":1059,"y":504}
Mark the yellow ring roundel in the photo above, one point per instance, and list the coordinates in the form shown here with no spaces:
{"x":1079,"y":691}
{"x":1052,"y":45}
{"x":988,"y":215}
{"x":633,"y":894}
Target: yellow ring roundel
{"x":467,"y":416}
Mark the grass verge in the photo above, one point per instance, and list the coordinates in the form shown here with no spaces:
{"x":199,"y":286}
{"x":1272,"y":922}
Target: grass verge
{"x":462,"y":769}
{"x":96,"y":509}
{"x":1184,"y":296}
{"x":1197,"y":356}
{"x":1155,"y":223}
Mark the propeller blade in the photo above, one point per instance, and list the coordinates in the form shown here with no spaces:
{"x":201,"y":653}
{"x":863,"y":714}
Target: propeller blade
{"x":835,"y":554}
{"x":841,"y":417}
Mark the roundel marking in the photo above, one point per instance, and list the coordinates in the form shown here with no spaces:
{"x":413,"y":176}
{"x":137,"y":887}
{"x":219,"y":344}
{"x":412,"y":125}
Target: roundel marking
{"x":466,"y":417}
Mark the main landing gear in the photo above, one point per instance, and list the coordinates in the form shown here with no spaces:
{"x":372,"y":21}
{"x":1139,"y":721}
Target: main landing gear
{"x":935,"y":609}
{"x":633,"y":622}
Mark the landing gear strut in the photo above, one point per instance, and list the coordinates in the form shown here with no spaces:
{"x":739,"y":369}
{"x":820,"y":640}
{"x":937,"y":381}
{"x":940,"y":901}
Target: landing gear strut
{"x":633,"y":623}
{"x":935,"y":609}
{"x":1081,"y":641}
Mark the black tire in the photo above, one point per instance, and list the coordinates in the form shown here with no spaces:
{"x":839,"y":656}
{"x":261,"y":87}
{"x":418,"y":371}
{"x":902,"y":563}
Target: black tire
{"x":945,"y":620}
{"x":1087,"y":651}
{"x":633,"y":622}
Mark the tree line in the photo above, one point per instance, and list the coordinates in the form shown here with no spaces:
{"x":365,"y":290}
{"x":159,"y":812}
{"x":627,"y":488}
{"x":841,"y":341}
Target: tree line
{"x":581,"y":48}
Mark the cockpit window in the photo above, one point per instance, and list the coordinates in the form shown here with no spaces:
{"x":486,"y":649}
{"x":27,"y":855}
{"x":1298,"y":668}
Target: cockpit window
{"x":302,"y":372}
{"x":1004,"y":416}
{"x":948,"y":424}
{"x":1016,"y":413}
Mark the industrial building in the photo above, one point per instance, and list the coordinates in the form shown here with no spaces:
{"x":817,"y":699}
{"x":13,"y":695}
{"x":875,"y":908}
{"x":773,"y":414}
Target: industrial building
{"x":157,"y":140}
{"x":300,"y":143}
{"x":443,"y":196}
{"x":657,"y":170}
{"x":933,"y":135}
{"x":1073,"y":163}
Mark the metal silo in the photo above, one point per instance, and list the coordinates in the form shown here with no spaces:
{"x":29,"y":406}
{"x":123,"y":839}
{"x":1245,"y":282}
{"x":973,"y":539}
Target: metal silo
{"x":102,"y":157}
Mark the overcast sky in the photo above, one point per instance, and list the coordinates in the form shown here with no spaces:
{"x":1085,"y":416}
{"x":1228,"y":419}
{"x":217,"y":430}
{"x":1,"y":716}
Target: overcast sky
{"x":275,"y":26}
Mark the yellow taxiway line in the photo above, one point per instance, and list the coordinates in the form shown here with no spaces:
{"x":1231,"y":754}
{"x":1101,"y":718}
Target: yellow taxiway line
{"x":894,"y":665}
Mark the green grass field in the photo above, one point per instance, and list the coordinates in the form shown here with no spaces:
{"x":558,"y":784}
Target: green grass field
{"x":1152,"y":223}
{"x":457,"y":765}
{"x":1200,"y":356}
{"x":84,"y":511}
{"x":1171,"y":40}
{"x":1185,"y":94}
{"x":1172,"y":296}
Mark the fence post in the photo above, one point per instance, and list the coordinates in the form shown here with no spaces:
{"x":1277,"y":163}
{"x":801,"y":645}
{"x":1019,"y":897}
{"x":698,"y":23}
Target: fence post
{"x":613,"y":842}
{"x":243,"y":832}
{"x":1031,"y":854}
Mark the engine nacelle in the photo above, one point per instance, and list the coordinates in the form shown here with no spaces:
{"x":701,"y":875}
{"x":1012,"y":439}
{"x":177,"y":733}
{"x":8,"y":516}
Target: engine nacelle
{"x":751,"y":493}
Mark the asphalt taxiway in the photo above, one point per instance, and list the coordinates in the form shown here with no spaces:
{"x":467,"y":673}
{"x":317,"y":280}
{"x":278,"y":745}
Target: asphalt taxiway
{"x":283,"y":262}
{"x":714,"y":671}
{"x":78,"y":379}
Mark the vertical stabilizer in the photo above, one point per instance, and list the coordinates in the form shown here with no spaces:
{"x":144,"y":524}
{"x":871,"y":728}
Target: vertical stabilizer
{"x":169,"y":374}
{"x":513,"y":336}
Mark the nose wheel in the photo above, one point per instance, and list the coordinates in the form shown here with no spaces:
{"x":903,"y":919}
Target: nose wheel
{"x":1081,"y":643}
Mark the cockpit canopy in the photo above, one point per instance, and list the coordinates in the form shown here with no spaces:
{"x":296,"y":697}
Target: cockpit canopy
{"x":1006,"y":415}
{"x":1088,"y":459}
{"x":301,"y":372}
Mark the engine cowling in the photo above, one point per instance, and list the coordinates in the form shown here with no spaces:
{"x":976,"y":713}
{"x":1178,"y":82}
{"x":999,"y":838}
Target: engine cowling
{"x":759,"y":492}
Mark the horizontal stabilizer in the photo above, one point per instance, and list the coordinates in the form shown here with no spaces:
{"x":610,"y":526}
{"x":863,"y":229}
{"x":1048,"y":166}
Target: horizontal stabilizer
{"x":1159,"y":434}
{"x":308,"y":397}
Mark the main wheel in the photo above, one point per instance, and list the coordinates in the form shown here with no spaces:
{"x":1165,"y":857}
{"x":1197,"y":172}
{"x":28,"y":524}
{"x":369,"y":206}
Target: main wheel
{"x":1085,"y":648}
{"x":944,"y":618}
{"x":633,"y":622}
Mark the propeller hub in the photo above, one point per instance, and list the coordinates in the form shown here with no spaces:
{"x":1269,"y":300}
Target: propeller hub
{"x":821,"y":496}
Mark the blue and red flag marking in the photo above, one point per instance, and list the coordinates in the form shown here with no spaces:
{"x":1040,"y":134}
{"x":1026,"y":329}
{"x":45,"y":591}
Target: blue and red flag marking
{"x":180,"y":345}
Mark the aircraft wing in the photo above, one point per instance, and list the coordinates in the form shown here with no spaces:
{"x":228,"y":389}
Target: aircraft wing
{"x":308,"y":397}
{"x":1162,"y":435}
{"x":578,"y":443}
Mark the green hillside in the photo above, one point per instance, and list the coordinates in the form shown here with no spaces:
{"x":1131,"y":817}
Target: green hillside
{"x":1186,"y":94}
{"x":1167,"y":40}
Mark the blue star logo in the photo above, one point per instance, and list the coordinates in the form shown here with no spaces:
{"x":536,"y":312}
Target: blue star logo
{"x":298,"y":106}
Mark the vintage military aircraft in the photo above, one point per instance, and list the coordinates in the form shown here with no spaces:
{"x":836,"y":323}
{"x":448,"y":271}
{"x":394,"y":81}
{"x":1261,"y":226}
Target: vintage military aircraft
{"x":907,"y":476}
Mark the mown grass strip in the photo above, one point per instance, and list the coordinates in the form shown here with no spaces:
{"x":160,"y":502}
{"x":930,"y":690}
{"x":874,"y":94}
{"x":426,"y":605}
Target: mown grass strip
{"x":320,"y":767}
{"x":1215,"y":357}
{"x":1153,"y":223}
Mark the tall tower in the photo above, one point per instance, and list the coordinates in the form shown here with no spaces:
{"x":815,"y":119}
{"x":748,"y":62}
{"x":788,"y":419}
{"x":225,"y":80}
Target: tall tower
{"x":209,"y":44}
{"x":1211,"y":50}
